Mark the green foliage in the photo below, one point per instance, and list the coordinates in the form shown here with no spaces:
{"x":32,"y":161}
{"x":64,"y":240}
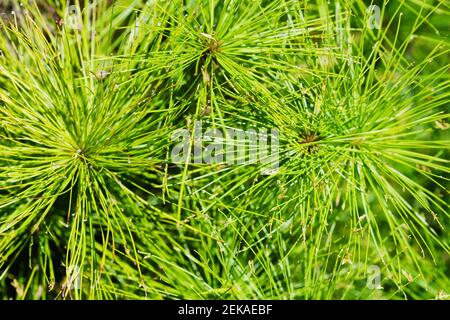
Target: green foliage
{"x":93,"y":207}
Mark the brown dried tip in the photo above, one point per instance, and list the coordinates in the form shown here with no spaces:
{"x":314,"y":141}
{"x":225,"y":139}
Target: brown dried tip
{"x":309,"y":138}
{"x":213,"y":45}
{"x":207,"y":111}
{"x":59,"y":22}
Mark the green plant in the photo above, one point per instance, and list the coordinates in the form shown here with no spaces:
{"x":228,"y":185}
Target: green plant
{"x":92,"y":205}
